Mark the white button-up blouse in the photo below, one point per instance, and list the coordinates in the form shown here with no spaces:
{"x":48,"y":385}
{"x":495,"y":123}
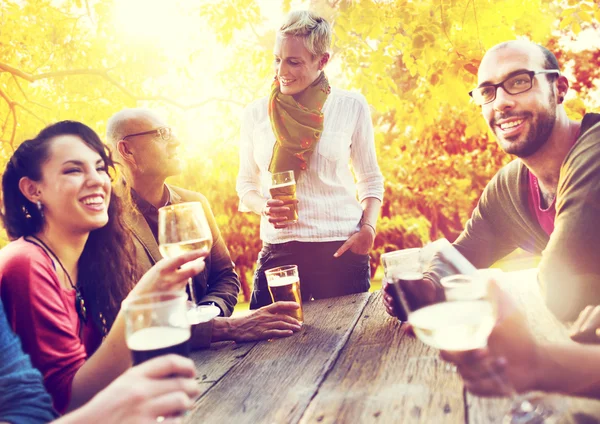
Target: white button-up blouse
{"x":328,"y":206}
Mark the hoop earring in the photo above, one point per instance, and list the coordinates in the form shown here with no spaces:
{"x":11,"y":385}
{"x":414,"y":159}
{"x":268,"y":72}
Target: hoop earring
{"x":40,"y":208}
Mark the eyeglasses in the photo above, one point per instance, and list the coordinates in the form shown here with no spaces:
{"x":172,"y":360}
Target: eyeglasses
{"x":515,"y":84}
{"x":165,"y":133}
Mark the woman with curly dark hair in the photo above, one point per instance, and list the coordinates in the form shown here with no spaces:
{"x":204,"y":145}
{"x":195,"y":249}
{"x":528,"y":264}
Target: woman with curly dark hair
{"x":70,"y":264}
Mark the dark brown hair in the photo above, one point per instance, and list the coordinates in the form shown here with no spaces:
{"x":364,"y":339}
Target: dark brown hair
{"x":105,"y":268}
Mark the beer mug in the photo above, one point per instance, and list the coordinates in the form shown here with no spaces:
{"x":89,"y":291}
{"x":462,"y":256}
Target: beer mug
{"x":283,"y":187}
{"x":156,"y":324}
{"x":284,"y":285}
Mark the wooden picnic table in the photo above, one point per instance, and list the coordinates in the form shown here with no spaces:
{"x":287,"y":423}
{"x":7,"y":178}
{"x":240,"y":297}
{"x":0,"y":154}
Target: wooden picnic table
{"x":352,"y":363}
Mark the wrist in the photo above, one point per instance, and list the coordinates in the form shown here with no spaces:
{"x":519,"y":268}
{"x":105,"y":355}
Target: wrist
{"x":368,"y":227}
{"x":221,"y":329}
{"x":542,"y":378}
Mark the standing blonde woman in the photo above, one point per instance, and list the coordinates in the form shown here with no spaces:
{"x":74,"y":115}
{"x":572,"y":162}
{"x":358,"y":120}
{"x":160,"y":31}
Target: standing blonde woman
{"x":316,"y":130}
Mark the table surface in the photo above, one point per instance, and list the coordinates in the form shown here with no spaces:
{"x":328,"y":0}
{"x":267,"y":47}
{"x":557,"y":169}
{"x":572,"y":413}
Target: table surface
{"x":352,"y":363}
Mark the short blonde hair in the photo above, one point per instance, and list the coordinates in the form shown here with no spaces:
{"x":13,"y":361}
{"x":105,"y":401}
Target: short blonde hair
{"x":313,"y":29}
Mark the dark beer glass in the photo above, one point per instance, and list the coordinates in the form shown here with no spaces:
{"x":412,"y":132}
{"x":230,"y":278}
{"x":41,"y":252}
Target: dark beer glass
{"x":156,"y":324}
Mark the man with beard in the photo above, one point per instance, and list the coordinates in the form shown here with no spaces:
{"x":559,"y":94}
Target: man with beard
{"x":548,"y":199}
{"x":147,"y":150}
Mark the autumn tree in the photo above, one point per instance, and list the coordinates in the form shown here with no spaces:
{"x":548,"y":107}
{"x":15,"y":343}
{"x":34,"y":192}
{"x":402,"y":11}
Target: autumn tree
{"x":200,"y":63}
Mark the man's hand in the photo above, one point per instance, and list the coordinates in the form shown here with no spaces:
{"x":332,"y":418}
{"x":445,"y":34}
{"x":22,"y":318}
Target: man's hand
{"x":360,"y":242}
{"x":388,"y":300}
{"x":509,"y":361}
{"x":267,"y":322}
{"x":277,"y":211}
{"x":161,"y":387}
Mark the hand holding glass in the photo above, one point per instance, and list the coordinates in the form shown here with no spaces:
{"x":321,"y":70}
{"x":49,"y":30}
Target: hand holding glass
{"x":181,"y":228}
{"x":284,"y":285}
{"x":283,"y":187}
{"x":156,"y":324}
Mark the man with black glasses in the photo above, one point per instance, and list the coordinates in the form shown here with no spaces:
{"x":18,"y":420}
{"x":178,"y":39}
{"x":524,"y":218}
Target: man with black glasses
{"x":147,"y":150}
{"x":548,"y":199}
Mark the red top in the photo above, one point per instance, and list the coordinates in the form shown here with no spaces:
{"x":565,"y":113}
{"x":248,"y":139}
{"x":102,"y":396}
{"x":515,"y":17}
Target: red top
{"x":43,"y":315}
{"x":545,"y":217}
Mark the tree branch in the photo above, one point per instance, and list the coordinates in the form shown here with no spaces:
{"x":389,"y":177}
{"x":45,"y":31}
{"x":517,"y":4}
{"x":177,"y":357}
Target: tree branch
{"x":29,"y":111}
{"x":103,"y":73}
{"x":11,"y":106}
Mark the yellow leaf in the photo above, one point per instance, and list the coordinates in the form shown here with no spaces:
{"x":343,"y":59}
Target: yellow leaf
{"x":585,"y":17}
{"x":576,"y":28}
{"x":597,"y":15}
{"x":565,"y":22}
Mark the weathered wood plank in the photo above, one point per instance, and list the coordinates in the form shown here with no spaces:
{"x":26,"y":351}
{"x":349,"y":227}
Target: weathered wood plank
{"x":212,"y":364}
{"x":523,"y":287}
{"x":275,"y":381}
{"x":386,"y":376}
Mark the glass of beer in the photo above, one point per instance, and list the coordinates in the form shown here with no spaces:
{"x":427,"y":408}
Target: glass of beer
{"x":156,"y":324}
{"x":283,"y":187}
{"x":284,"y":285}
{"x":183,"y":227}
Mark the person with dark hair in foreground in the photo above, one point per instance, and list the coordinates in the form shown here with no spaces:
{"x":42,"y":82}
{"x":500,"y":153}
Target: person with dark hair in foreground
{"x":63,"y":276}
{"x":547,"y":201}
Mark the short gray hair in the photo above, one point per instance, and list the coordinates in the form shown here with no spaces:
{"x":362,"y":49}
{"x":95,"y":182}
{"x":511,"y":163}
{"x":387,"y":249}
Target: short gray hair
{"x":314,"y":30}
{"x":119,"y":124}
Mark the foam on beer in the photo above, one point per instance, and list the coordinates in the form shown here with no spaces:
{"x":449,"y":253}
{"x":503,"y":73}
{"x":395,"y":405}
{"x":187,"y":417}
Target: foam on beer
{"x":283,"y":281}
{"x":153,"y":338}
{"x":408,"y":275}
{"x":284,"y":184}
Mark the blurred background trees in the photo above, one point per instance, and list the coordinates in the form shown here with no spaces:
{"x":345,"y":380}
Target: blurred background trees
{"x":200,"y":62}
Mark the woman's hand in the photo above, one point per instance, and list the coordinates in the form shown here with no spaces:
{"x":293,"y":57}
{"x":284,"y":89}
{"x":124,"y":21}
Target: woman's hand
{"x":276,"y":211}
{"x":360,"y":242}
{"x":171,"y":273}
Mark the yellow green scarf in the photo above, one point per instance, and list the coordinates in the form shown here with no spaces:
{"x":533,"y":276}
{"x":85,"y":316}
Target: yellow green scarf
{"x":297,"y":124}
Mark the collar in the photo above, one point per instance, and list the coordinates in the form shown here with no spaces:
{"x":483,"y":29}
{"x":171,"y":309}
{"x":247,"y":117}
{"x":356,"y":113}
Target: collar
{"x":146,"y":207}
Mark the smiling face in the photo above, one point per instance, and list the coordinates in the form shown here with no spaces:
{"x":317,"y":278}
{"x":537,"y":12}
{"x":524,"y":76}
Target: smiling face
{"x":75,"y":186}
{"x":521,"y":122}
{"x":295,"y":66}
{"x":154,"y":156}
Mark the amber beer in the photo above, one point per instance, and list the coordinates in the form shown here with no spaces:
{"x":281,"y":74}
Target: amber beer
{"x":284,"y":285}
{"x":284,"y":188}
{"x":288,"y":289}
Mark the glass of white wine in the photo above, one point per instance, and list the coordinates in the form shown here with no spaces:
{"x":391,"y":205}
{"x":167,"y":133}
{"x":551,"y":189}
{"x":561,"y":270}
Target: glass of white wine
{"x":463,"y":320}
{"x":183,"y":227}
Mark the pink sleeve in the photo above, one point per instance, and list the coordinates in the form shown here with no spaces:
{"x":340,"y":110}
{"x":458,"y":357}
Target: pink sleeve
{"x":43,"y":314}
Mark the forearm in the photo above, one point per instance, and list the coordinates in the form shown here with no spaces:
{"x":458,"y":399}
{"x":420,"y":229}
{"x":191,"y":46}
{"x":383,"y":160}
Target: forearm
{"x":110,"y":360}
{"x":255,"y":202}
{"x":569,"y":368}
{"x":371,"y":207}
{"x":223,"y":284}
{"x":223,"y":329}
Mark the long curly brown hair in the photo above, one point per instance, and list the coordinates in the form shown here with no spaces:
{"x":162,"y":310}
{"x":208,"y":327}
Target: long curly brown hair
{"x":105,"y":267}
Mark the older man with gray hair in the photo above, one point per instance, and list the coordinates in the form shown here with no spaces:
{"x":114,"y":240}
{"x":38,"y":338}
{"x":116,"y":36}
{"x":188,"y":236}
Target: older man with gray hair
{"x":147,"y":150}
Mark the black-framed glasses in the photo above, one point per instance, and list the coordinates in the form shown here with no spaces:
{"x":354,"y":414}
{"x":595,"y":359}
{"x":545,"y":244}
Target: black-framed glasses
{"x":165,"y":133}
{"x":515,"y":84}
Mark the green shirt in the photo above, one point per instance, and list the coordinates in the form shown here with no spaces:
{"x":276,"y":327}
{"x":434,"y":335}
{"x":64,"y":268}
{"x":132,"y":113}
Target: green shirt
{"x":569,"y":272}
